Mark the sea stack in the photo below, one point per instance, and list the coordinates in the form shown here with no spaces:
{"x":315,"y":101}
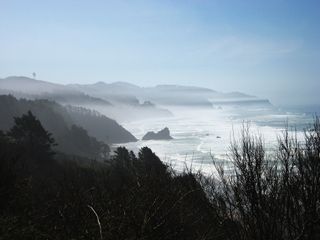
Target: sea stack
{"x":164,"y":134}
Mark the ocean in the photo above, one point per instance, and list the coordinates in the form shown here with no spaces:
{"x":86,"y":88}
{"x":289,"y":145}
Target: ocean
{"x":201,"y":136}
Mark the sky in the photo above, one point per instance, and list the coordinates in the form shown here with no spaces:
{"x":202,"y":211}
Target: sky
{"x":265,"y":48}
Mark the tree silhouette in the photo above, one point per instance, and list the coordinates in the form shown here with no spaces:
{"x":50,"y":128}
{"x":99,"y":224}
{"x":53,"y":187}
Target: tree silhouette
{"x":151,"y":161}
{"x":28,"y":132}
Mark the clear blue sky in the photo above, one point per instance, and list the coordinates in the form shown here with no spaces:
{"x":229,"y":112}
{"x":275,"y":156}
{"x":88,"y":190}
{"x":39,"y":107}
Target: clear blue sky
{"x":266,"y":48}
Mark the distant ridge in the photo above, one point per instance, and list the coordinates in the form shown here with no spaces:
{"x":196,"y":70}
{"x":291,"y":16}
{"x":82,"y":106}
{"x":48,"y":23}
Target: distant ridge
{"x":32,"y":86}
{"x":173,"y":87}
{"x":164,"y":94}
{"x":39,"y":86}
{"x":125,"y":101}
{"x":32,"y":89}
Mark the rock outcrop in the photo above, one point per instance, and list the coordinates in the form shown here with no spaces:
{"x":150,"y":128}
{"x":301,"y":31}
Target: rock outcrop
{"x":164,"y":134}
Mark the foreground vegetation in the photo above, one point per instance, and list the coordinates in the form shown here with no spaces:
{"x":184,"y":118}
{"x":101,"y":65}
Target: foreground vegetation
{"x":48,"y":195}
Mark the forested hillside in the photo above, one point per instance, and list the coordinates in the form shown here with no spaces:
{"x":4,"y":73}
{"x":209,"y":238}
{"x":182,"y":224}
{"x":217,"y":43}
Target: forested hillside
{"x":99,"y":126}
{"x":76,"y":132}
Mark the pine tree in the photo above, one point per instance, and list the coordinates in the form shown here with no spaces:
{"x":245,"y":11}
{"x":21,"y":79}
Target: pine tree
{"x":29,"y":133}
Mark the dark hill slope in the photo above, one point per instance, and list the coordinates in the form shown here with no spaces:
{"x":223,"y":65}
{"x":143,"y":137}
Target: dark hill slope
{"x":71,"y":129}
{"x":71,"y":139}
{"x":100,"y":126}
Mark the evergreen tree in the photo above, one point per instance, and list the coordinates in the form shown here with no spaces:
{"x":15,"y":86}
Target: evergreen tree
{"x":29,"y":133}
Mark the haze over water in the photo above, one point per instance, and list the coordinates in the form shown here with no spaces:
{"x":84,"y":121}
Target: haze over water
{"x":203,"y":134}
